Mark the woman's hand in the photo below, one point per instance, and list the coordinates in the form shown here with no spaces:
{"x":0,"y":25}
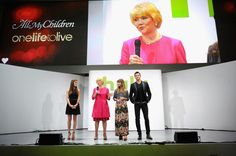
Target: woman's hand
{"x":109,"y":96}
{"x":97,"y":92}
{"x":71,"y":106}
{"x":76,"y":105}
{"x":135,"y":59}
{"x":122,"y":98}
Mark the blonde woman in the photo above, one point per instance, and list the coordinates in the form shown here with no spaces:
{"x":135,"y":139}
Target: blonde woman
{"x":101,"y":110}
{"x":121,"y":97}
{"x":155,"y":48}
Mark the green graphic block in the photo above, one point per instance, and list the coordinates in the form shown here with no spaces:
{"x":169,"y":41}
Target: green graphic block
{"x":179,"y":8}
{"x":210,"y":7}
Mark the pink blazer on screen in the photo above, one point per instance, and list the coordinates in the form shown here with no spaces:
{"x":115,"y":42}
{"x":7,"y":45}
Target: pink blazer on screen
{"x":164,"y":51}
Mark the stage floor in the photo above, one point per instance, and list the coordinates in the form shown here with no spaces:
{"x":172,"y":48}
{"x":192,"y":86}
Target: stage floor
{"x":85,"y":137}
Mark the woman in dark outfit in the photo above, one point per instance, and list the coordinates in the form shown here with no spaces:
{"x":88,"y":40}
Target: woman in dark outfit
{"x":72,"y":107}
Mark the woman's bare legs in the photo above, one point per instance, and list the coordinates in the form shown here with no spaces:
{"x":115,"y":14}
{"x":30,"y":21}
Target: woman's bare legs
{"x":104,"y":125}
{"x":96,"y":130}
{"x":74,"y":126}
{"x":68,"y":125}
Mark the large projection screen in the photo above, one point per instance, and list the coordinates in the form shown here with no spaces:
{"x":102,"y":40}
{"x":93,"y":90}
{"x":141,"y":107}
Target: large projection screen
{"x":109,"y":25}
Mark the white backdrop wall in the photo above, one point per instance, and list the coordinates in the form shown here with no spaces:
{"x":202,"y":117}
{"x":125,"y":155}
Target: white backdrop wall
{"x":201,"y":98}
{"x":198,"y":98}
{"x":34,"y":99}
{"x":156,"y":113}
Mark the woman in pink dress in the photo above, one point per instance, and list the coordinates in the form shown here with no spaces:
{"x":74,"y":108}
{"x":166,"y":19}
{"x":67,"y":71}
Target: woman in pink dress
{"x":155,"y":48}
{"x":101,"y":110}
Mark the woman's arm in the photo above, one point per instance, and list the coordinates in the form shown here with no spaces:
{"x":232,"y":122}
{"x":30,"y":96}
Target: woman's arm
{"x":115,"y":96}
{"x":108,"y":95}
{"x":67,"y":99}
{"x":180,"y":53}
{"x":77,"y":102}
{"x":94,"y":94}
{"x":124,"y":59}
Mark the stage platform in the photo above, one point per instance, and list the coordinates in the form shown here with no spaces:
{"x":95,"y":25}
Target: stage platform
{"x":85,"y":137}
{"x":212,"y":143}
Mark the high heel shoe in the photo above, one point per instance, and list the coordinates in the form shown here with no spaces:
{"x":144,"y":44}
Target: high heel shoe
{"x":96,"y":137}
{"x":73,"y":135}
{"x":125,"y":138}
{"x":104,"y":136}
{"x":68,"y":135}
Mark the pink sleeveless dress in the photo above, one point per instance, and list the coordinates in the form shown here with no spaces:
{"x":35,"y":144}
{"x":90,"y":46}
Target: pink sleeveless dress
{"x":100,"y":108}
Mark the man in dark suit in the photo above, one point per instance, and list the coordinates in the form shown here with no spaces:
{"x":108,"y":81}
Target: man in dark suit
{"x":140,"y":95}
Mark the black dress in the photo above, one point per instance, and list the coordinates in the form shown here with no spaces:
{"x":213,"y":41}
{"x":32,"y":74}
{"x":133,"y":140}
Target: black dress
{"x":73,"y":97}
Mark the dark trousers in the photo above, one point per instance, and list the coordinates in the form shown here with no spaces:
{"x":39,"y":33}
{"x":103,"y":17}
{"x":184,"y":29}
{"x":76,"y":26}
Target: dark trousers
{"x":144,"y":108}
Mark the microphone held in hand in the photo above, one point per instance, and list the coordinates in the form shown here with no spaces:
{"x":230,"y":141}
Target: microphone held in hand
{"x":137,"y":44}
{"x":97,"y":91}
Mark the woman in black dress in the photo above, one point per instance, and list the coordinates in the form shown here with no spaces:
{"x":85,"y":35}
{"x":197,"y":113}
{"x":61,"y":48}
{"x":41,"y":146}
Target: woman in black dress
{"x":72,"y":107}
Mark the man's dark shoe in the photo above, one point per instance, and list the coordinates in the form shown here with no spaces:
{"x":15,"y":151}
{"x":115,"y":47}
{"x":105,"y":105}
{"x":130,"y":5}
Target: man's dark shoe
{"x":139,"y":137}
{"x":149,"y":137}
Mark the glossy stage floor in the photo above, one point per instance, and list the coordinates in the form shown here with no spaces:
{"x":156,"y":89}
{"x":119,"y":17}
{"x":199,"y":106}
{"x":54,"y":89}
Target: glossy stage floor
{"x":213,"y":143}
{"x":85,"y":137}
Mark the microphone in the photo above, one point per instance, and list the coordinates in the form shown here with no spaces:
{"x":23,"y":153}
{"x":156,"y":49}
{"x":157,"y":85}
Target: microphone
{"x":97,"y":91}
{"x":137,"y":44}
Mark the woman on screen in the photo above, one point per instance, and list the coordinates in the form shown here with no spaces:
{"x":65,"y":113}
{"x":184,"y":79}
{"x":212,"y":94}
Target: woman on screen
{"x":151,"y":47}
{"x":121,"y":97}
{"x":72,"y":107}
{"x":101,"y":110}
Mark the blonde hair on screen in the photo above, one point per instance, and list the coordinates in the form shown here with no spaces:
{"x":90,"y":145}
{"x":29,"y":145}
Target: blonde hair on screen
{"x":146,"y":9}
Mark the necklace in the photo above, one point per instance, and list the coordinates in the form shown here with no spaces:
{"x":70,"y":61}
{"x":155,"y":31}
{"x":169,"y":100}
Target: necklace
{"x":157,"y":37}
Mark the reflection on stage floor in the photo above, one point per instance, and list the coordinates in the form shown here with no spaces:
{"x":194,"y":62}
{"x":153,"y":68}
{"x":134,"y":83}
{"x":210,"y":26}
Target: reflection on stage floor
{"x":85,"y":137}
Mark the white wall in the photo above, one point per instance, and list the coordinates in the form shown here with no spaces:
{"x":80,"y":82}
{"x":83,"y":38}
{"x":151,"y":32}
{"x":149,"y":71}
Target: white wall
{"x":33,"y":99}
{"x":155,"y":106}
{"x":197,"y":98}
{"x":201,"y":98}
